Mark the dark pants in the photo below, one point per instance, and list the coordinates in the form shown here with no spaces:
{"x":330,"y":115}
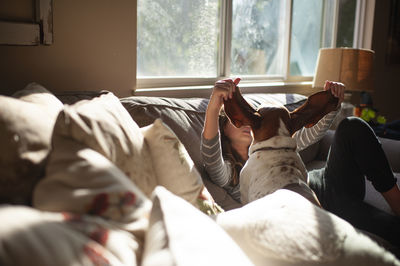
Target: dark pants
{"x":356,"y":153}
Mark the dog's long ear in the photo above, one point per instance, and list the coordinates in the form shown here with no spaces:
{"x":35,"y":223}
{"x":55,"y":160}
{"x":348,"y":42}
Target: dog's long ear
{"x":240,"y":112}
{"x":317,"y":106}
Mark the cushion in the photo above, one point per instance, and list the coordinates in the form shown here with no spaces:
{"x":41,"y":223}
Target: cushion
{"x":32,"y":237}
{"x":173,"y":166}
{"x":179,"y":234}
{"x":26,"y":126}
{"x":284,"y":228}
{"x":104,"y":125}
{"x":71,"y":97}
{"x":81,"y":180}
{"x":36,"y":93}
{"x":375,"y":198}
{"x":186,"y":118}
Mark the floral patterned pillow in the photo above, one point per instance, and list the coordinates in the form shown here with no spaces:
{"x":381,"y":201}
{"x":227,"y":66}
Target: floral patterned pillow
{"x":81,"y":180}
{"x":49,"y":238}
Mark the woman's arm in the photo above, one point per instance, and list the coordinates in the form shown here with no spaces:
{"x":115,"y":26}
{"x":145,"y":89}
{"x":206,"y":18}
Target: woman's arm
{"x":308,"y":136}
{"x":219,"y":171}
{"x":223,"y":90}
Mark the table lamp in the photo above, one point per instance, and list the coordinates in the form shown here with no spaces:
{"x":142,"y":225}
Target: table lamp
{"x":352,"y":67}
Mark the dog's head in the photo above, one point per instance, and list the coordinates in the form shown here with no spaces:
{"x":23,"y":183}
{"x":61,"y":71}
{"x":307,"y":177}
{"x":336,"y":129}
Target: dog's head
{"x":267,"y":122}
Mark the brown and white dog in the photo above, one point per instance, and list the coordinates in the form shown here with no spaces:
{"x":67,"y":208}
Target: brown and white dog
{"x":273,"y":160}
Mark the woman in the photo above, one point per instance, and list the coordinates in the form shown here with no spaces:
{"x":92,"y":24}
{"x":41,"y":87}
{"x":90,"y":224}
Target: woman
{"x":340,"y":186}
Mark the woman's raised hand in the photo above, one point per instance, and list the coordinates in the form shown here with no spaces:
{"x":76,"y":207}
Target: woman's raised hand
{"x":337,"y":89}
{"x":223,"y":90}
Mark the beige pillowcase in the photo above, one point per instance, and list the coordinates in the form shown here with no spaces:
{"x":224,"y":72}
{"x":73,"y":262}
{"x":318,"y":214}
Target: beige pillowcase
{"x":179,"y":234}
{"x":36,"y":93}
{"x":26,"y":126}
{"x":175,"y":169}
{"x":284,"y":228}
{"x":104,"y":125}
{"x":172,"y":164}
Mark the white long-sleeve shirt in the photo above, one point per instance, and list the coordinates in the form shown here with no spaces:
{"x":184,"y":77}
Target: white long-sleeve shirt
{"x":220,"y":170}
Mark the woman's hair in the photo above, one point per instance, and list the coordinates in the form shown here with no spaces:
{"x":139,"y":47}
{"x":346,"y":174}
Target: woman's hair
{"x":228,"y":152}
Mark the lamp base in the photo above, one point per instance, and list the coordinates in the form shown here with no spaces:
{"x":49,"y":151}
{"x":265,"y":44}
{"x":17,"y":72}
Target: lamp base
{"x":347,"y":97}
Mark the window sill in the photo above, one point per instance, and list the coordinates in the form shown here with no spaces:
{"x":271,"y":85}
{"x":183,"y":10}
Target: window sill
{"x":304,"y":88}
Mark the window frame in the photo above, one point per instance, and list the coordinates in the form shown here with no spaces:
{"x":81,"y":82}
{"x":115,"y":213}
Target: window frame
{"x":190,"y":85}
{"x":21,"y":33}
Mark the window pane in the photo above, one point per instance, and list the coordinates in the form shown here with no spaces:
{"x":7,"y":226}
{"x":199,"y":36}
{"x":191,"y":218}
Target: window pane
{"x":177,"y":38}
{"x":258,"y":32}
{"x":347,"y":16}
{"x":307,"y":18}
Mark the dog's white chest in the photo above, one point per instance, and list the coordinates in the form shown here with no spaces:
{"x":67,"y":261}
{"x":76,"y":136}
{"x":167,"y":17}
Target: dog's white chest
{"x":272,"y":165}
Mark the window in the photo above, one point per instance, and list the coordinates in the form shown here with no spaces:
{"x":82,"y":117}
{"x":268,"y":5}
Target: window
{"x":195,"y":42}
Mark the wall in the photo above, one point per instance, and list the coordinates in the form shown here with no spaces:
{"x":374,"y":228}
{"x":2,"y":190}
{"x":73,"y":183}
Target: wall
{"x":94,"y":48}
{"x":94,"y":44}
{"x":387,"y":77}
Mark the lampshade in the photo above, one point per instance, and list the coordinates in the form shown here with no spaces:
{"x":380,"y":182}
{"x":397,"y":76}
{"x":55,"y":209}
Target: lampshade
{"x":352,"y":67}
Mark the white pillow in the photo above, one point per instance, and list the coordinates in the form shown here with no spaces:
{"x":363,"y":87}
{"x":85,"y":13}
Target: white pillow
{"x":32,"y":237}
{"x":36,"y":93}
{"x":105,"y":126}
{"x":175,"y":169}
{"x":180,"y":234}
{"x":26,"y":125}
{"x":284,"y":228}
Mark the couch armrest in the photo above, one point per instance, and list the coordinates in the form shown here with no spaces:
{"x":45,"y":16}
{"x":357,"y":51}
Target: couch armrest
{"x":390,"y":146}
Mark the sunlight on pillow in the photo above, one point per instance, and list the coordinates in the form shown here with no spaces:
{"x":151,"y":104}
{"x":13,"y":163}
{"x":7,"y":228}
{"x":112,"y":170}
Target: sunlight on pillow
{"x":175,"y":169}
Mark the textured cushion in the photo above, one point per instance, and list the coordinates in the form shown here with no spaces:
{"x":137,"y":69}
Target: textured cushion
{"x":104,"y":125}
{"x":284,"y":228}
{"x":81,"y":180}
{"x":71,"y":97}
{"x":32,"y":237}
{"x":173,"y":166}
{"x":36,"y":93}
{"x":375,"y":198}
{"x":26,"y":125}
{"x":179,"y":234}
{"x":186,"y":118}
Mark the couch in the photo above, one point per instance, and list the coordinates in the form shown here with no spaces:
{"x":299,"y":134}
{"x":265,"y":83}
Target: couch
{"x":186,"y":117}
{"x":90,"y":179}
